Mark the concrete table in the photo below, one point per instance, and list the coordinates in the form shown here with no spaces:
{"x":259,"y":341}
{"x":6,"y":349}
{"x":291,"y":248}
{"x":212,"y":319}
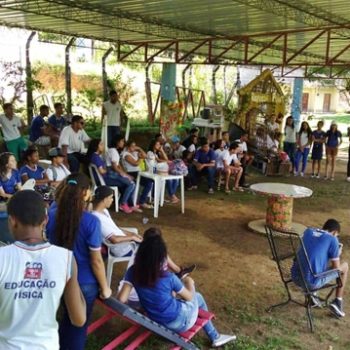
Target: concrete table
{"x":279,"y":212}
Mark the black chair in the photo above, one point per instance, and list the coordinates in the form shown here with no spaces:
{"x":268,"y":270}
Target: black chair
{"x":287,"y":248}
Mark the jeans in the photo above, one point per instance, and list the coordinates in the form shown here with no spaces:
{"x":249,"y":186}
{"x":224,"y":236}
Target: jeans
{"x":195,"y":175}
{"x":127,"y":186}
{"x":112,"y":132}
{"x":172,"y":186}
{"x":72,"y":337}
{"x":301,"y":155}
{"x":74,"y":160}
{"x":289,"y":148}
{"x":188,"y":315}
{"x":147,"y":185}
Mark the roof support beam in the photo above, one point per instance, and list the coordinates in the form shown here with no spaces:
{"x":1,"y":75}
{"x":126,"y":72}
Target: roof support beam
{"x":250,"y":59}
{"x":29,"y":81}
{"x":104,"y":72}
{"x":68,"y":76}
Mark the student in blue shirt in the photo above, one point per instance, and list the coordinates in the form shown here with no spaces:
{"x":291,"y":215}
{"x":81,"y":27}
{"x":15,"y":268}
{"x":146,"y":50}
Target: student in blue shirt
{"x":72,"y":227}
{"x":203,"y":164}
{"x":172,"y":302}
{"x":323,"y":250}
{"x":57,"y":121}
{"x":94,"y":155}
{"x":31,"y":170}
{"x":38,"y":130}
{"x":333,"y":141}
{"x":10,"y":181}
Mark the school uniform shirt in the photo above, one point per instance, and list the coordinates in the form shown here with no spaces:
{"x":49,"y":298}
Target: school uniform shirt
{"x":112,"y":112}
{"x":318,"y":135}
{"x":32,"y":280}
{"x":204,"y":157}
{"x":97,"y":160}
{"x":57,"y":123}
{"x":36,"y":128}
{"x":57,"y":173}
{"x":304,"y":139}
{"x":230,"y":159}
{"x":112,"y":156}
{"x":177,"y":154}
{"x":10,"y":127}
{"x":242,"y":145}
{"x":74,"y":140}
{"x":289,"y":134}
{"x":36,"y":173}
{"x":129,"y":168}
{"x":88,"y":238}
{"x":158,"y":301}
{"x":321,"y":247}
{"x":333,"y":138}
{"x":219,"y":157}
{"x":192,"y":148}
{"x":9,"y":184}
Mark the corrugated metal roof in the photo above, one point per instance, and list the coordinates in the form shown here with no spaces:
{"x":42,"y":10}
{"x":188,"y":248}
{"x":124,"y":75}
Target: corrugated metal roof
{"x":189,"y":21}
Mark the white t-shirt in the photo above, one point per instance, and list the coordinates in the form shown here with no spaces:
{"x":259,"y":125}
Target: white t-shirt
{"x":57,"y":173}
{"x":289,"y":134}
{"x":243,"y":145}
{"x":178,"y":152}
{"x":74,"y":140}
{"x":10,"y":127}
{"x":151,"y":162}
{"x":272,"y":126}
{"x":126,"y":165}
{"x":219,"y":161}
{"x":113,"y":113}
{"x":112,"y":156}
{"x":304,"y":139}
{"x":108,"y":226}
{"x":229,"y":158}
{"x":192,"y":148}
{"x":32,"y":279}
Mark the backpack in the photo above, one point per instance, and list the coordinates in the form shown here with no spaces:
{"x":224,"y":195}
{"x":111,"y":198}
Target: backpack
{"x":178,"y":167}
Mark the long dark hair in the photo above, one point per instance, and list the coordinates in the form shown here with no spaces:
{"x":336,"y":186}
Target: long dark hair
{"x":150,"y":258}
{"x":308,"y":130}
{"x":152,"y":144}
{"x":93,"y":146}
{"x":292,"y":126}
{"x":4,"y":159}
{"x":70,"y":207}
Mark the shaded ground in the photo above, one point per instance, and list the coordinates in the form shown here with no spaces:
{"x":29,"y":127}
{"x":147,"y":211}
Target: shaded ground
{"x":235,"y":273}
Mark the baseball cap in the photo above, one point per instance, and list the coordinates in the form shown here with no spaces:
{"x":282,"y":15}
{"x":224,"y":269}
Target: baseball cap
{"x":56,"y":152}
{"x":103,"y":192}
{"x":175,"y":139}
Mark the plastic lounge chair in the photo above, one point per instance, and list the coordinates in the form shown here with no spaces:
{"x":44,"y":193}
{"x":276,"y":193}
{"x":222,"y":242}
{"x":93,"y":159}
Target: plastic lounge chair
{"x":287,"y":247}
{"x":111,"y":260}
{"x":95,"y":175}
{"x":143,"y":327}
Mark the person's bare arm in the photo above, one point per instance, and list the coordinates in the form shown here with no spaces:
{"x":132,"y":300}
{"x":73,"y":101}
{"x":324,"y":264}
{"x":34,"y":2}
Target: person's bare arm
{"x":3,"y":194}
{"x":187,"y":293}
{"x":132,"y":161}
{"x":335,"y":264}
{"x":99,"y":271}
{"x":142,"y":153}
{"x":129,"y":238}
{"x":162,"y":157}
{"x":102,"y":170}
{"x":74,"y":299}
{"x":124,"y":293}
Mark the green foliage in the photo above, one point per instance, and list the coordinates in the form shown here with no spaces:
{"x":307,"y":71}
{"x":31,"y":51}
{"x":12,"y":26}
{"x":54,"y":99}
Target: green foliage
{"x":90,"y":99}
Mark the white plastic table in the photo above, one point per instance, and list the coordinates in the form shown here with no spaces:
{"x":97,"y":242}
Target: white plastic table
{"x":159,"y":189}
{"x":280,"y":200}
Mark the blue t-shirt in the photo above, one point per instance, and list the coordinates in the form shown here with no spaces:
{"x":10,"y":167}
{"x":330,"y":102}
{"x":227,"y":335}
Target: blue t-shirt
{"x":158,"y":301}
{"x":318,"y":135}
{"x":88,"y":238}
{"x":37,"y":173}
{"x":320,"y":247}
{"x":333,"y":138}
{"x":9,"y":185}
{"x":204,"y":157}
{"x":97,"y":160}
{"x":35,"y":128}
{"x":57,"y":123}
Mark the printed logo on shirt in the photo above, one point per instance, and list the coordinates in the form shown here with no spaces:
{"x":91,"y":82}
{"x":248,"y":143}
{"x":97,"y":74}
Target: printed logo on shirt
{"x":33,"y":270}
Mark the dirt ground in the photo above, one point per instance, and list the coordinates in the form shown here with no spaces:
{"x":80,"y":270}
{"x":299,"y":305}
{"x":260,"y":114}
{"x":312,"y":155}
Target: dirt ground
{"x":234,"y":269}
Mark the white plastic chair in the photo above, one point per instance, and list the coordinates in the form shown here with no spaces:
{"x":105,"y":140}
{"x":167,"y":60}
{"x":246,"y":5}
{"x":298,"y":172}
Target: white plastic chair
{"x":29,"y":185}
{"x":159,"y":189}
{"x":93,"y":169}
{"x":114,"y":259}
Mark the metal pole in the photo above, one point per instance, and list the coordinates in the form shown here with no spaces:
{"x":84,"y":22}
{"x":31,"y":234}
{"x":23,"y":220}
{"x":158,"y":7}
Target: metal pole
{"x":68,"y":77}
{"x":29,"y":81}
{"x":213,"y":84}
{"x":104,"y":73}
{"x":184,"y":75}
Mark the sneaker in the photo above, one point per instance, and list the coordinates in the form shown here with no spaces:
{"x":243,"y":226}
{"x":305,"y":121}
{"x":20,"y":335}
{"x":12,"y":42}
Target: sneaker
{"x":336,"y":307}
{"x":312,"y":175}
{"x":211,"y":191}
{"x":315,"y":300}
{"x":185,"y":271}
{"x":348,"y":179}
{"x":125,"y":208}
{"x":296,"y":173}
{"x":302,"y":174}
{"x":326,"y":178}
{"x":223,"y":339}
{"x":317,"y":176}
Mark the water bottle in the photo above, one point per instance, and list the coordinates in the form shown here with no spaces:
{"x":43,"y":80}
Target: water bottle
{"x":144,"y":220}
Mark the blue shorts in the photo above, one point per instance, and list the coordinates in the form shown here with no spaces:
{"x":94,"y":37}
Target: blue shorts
{"x":320,"y":282}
